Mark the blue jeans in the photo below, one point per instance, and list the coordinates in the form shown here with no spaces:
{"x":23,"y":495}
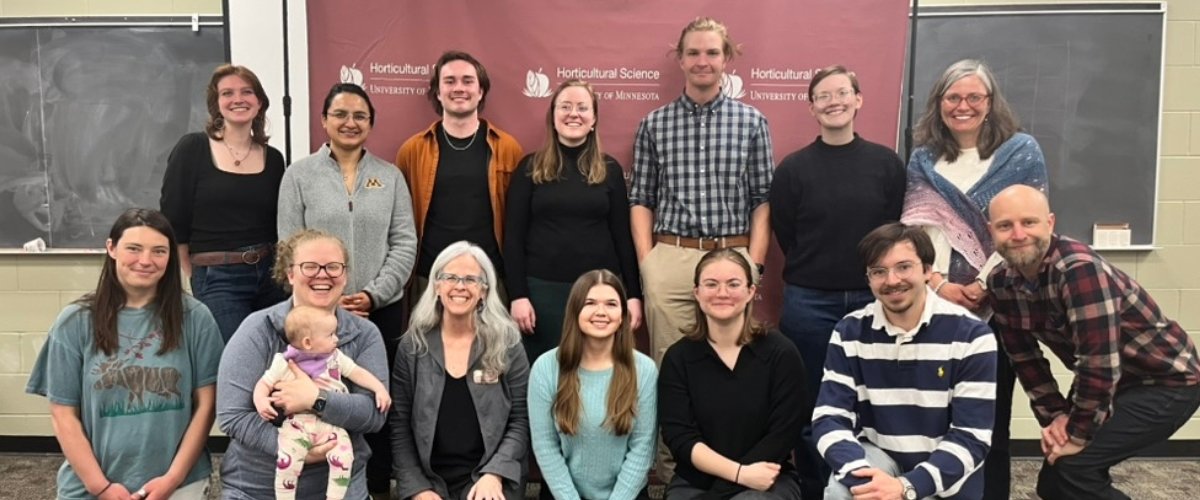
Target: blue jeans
{"x":807,"y":318}
{"x":233,"y":291}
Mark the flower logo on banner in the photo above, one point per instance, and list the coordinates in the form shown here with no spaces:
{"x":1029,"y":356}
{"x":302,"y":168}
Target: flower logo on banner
{"x":351,"y":75}
{"x":537,"y":84}
{"x":731,"y":86}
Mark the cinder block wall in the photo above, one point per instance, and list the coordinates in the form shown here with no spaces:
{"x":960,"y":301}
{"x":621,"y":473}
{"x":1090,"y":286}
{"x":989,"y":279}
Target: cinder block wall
{"x":34,"y":288}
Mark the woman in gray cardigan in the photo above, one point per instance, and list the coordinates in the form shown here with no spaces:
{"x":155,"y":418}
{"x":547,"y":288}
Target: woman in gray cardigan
{"x":459,"y":424}
{"x":364,"y":201}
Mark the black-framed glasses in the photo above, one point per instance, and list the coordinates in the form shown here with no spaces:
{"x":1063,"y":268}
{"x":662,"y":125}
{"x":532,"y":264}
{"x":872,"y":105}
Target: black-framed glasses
{"x":903,"y":270}
{"x":312,"y":269}
{"x":470,"y":280}
{"x":972,"y":99}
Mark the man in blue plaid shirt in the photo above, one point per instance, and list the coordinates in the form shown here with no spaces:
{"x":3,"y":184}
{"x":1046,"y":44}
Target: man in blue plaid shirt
{"x":702,"y":168}
{"x":1136,"y":374}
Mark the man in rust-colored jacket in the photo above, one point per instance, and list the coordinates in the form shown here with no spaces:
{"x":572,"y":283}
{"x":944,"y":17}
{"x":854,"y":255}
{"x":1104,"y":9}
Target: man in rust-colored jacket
{"x":459,"y":168}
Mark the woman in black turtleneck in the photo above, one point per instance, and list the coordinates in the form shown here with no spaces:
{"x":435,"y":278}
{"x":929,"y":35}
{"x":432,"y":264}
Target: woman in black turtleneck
{"x":567,"y":213}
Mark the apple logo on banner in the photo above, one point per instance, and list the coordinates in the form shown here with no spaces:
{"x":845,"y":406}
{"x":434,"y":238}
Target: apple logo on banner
{"x":537,"y":84}
{"x":731,"y":86}
{"x":351,"y":75}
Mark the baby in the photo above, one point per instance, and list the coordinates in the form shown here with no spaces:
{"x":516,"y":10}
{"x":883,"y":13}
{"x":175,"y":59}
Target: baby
{"x":312,"y":339}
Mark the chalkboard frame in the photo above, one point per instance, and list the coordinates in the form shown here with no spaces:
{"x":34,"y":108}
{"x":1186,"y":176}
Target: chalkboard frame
{"x":1145,"y":235}
{"x":195,"y":23}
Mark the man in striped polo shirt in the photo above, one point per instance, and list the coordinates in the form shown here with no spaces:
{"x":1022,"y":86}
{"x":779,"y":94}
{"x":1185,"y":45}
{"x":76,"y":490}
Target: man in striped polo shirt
{"x":1137,"y":378}
{"x":906,"y":407}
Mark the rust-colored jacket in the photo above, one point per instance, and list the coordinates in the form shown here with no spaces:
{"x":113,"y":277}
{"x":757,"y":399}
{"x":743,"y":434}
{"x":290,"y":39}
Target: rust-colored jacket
{"x":418,"y":160}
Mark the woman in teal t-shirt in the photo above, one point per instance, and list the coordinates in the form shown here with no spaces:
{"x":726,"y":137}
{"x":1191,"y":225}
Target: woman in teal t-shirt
{"x":129,"y":370}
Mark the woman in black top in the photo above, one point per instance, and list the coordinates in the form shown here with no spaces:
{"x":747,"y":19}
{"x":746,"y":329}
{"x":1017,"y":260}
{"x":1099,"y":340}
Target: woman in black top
{"x":731,"y":394}
{"x":220,"y":193}
{"x":567,"y":213}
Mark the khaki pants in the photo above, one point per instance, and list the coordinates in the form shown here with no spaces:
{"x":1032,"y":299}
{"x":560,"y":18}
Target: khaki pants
{"x":668,"y":274}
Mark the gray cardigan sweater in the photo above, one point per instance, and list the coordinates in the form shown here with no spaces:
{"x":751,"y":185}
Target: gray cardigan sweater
{"x":417,"y":385}
{"x":375,"y":223}
{"x":248,"y":469}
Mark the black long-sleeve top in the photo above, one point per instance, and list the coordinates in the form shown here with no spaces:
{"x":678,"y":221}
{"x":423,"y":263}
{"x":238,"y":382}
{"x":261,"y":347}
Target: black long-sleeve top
{"x":750,"y":414}
{"x":559,"y":230}
{"x":824,"y":199}
{"x":214,"y":210}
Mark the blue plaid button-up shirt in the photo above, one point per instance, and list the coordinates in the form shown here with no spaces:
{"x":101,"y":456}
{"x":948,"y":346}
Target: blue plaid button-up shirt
{"x":702,"y":168}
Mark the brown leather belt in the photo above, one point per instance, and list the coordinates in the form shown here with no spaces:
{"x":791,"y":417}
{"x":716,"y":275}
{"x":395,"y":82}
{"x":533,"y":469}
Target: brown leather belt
{"x":251,"y":257}
{"x":704,"y":243}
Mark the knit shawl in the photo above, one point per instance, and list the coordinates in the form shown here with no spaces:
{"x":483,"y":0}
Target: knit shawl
{"x":932,"y":200}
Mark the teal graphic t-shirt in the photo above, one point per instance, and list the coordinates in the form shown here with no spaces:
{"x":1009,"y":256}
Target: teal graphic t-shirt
{"x":135,"y":405}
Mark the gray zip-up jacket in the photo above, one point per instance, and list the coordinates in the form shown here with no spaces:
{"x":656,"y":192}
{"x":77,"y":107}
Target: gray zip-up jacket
{"x":375,"y":222}
{"x":417,"y":384}
{"x":248,"y":469}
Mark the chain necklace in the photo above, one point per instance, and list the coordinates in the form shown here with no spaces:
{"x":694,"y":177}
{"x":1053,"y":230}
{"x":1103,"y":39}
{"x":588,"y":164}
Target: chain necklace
{"x":456,"y":148}
{"x":237,"y":162}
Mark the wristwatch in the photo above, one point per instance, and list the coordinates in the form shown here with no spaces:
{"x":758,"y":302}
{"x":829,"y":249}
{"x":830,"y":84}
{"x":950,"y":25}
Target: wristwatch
{"x":910,"y":493}
{"x":318,"y":406}
{"x":761,"y":268}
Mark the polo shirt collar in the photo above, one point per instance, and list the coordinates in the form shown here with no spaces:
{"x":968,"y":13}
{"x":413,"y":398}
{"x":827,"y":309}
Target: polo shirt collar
{"x":879,"y":319}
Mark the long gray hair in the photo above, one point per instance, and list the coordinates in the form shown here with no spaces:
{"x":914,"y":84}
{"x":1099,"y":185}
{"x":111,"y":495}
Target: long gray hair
{"x":493,"y":326}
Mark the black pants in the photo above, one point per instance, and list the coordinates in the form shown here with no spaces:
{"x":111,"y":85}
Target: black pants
{"x":1142,"y":416}
{"x":997,"y":468}
{"x":390,"y":321}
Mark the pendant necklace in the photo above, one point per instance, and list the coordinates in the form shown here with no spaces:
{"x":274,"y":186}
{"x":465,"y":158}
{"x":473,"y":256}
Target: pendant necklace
{"x":237,"y":162}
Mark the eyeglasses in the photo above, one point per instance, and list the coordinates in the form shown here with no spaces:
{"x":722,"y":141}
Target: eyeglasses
{"x":972,"y":99}
{"x":312,"y":269}
{"x":344,"y":115}
{"x":825,"y":97}
{"x":469,"y":280}
{"x":903,"y":270}
{"x":568,"y":108}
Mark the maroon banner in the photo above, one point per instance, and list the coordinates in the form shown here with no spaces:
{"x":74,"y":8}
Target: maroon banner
{"x":622,"y":47}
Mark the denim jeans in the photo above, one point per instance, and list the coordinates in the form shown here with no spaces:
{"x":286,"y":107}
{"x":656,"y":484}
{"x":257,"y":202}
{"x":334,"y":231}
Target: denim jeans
{"x":233,"y":291}
{"x":807,"y":318}
{"x":877,"y":459}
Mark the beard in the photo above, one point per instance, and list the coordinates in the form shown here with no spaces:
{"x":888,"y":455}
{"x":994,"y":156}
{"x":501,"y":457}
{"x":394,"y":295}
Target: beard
{"x":897,"y":308}
{"x":1026,"y":256}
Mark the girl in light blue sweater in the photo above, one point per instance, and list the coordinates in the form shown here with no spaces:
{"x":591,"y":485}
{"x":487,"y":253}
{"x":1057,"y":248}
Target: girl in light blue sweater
{"x":592,"y":401}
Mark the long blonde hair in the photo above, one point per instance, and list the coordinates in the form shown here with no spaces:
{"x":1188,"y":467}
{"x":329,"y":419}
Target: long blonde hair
{"x":622,"y":389}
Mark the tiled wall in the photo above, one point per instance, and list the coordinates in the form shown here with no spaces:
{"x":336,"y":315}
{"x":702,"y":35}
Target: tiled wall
{"x":34,"y":288}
